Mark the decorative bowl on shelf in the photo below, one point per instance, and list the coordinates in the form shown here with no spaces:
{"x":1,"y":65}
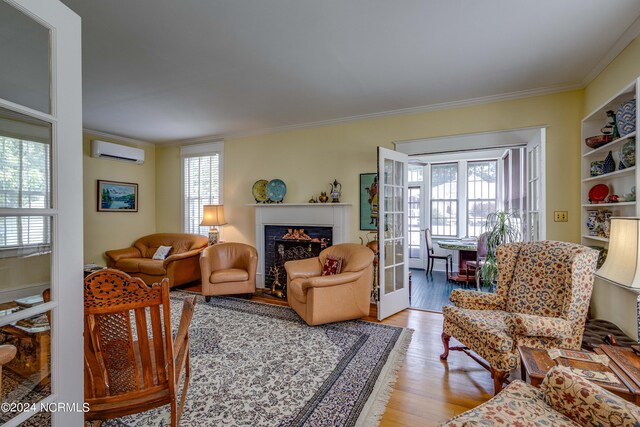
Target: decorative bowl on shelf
{"x":628,"y":153}
{"x":276,"y":190}
{"x":598,"y":193}
{"x":598,"y":141}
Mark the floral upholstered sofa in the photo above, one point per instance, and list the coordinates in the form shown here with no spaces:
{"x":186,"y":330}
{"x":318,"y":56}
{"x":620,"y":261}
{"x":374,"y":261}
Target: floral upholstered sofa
{"x":564,"y":399}
{"x":542,"y":298}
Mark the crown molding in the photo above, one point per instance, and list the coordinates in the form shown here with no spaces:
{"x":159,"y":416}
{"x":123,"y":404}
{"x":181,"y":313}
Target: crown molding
{"x":631,"y":33}
{"x":120,"y":138}
{"x":406,"y":111}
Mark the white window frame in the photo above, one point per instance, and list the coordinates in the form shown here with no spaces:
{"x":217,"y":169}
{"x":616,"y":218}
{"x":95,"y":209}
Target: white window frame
{"x":197,"y":150}
{"x":497,"y":201}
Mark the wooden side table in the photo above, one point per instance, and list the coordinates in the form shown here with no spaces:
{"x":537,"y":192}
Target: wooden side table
{"x":536,"y":363}
{"x":626,"y":365}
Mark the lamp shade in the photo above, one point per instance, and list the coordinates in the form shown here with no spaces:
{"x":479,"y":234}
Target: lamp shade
{"x":213,"y":215}
{"x":622,"y":263}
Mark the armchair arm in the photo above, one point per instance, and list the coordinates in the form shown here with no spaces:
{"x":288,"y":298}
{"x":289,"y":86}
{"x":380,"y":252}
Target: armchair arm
{"x":585,"y":402}
{"x":475,"y":300}
{"x":171,"y":258}
{"x":332,"y":280}
{"x":304,"y":268}
{"x":530,"y":325}
{"x":117,"y":254}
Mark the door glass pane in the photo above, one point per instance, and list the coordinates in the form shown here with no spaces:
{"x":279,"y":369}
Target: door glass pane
{"x":388,"y":252}
{"x":25,"y":261}
{"x":388,"y":171}
{"x":25,"y":161}
{"x":399,"y":276}
{"x":26,"y":377}
{"x":415,"y":202}
{"x":24,"y":49}
{"x":388,"y":280}
{"x":399,"y":251}
{"x":399,"y":174}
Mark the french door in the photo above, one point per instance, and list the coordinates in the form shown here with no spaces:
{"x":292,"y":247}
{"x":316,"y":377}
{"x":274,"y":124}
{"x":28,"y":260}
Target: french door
{"x":393,"y":267}
{"x":535,"y":222}
{"x":41,"y":213}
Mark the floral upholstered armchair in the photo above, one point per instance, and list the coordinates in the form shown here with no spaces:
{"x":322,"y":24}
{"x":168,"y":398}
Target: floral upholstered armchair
{"x":541,"y":301}
{"x":564,"y":399}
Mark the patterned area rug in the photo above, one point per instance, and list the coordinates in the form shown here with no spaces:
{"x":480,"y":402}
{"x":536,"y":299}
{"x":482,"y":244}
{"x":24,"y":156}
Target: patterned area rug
{"x":257,"y":364}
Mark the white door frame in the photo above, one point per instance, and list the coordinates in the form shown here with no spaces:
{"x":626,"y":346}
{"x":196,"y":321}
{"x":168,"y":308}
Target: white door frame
{"x":66,"y":303}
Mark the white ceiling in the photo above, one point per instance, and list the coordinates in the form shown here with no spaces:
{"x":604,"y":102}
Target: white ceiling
{"x":164,"y":70}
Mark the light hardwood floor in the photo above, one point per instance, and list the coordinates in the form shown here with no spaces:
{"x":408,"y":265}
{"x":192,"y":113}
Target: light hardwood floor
{"x":428,"y":390}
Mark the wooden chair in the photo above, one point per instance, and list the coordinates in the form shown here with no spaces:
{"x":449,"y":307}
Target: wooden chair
{"x":448,"y":259}
{"x":132,"y":369}
{"x":481,"y":255}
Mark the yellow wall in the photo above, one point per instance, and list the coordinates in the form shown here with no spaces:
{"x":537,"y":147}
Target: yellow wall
{"x":308,"y":159}
{"x":611,"y":302}
{"x":114,"y":230}
{"x":168,"y":191}
{"x":23,"y":272}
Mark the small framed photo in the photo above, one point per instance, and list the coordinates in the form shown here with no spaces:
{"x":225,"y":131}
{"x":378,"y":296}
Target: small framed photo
{"x":368,"y":201}
{"x":116,"y":196}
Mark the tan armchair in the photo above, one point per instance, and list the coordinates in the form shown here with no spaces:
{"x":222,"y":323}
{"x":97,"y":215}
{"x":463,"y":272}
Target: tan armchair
{"x":542,"y":298}
{"x":323,"y":299}
{"x":180,"y":267}
{"x":228,"y":269}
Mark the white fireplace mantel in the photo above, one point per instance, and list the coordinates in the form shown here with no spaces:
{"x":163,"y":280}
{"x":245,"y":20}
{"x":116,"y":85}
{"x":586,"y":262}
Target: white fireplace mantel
{"x":335,"y":215}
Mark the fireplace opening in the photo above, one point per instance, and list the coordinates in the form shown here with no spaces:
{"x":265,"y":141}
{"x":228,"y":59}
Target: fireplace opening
{"x":290,"y":243}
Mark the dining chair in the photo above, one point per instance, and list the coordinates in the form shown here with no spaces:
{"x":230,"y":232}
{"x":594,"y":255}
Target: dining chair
{"x":481,"y":255}
{"x":448,"y":259}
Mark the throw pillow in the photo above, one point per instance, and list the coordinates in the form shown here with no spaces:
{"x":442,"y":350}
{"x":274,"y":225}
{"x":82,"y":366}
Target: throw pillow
{"x":332,"y":265}
{"x":162,"y":252}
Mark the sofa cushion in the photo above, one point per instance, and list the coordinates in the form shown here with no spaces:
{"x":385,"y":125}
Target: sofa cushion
{"x":586,"y":403}
{"x":129,"y":265}
{"x":519,"y":404}
{"x":152,"y":267}
{"x":229,"y":275}
{"x":488,"y":325}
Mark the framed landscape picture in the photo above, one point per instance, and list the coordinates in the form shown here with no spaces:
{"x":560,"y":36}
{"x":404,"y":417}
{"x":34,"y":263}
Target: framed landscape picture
{"x":116,"y":196}
{"x":368,"y":201}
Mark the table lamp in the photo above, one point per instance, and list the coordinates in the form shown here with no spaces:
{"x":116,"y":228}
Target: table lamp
{"x":213,"y":216}
{"x":622,"y":265}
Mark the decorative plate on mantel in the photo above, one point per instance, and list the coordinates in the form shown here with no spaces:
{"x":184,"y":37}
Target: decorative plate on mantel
{"x":276,"y":190}
{"x":259,"y":191}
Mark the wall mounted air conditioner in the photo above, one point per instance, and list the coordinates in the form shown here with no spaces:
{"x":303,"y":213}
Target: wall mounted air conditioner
{"x":107,"y":150}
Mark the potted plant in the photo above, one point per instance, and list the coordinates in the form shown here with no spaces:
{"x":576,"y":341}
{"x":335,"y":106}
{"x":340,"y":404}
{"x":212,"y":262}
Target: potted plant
{"x":501,"y":227}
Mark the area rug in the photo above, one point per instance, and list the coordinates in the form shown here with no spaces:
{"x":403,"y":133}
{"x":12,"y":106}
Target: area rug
{"x":256,"y":364}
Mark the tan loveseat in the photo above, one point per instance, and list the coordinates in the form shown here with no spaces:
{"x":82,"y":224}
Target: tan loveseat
{"x":180,"y":267}
{"x":323,"y":299}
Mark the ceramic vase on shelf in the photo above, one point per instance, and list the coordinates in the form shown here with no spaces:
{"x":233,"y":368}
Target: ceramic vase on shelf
{"x":609,"y":164}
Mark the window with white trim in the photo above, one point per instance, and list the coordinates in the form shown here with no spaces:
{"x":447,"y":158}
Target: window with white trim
{"x":202,"y":183}
{"x":482,"y":198}
{"x":25,"y":182}
{"x":444,"y":199}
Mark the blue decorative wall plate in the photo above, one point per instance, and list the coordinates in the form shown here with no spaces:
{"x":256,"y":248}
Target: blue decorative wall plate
{"x":276,"y":190}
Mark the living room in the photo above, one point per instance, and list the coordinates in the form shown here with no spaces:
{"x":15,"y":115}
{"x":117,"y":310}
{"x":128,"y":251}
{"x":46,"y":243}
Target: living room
{"x":316,"y":144}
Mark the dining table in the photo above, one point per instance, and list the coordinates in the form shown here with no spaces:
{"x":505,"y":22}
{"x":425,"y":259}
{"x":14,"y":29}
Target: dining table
{"x":467,"y":250}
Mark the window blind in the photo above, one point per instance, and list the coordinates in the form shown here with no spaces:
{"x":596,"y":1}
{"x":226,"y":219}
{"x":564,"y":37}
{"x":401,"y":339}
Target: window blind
{"x":202,"y":182}
{"x":25,"y":182}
